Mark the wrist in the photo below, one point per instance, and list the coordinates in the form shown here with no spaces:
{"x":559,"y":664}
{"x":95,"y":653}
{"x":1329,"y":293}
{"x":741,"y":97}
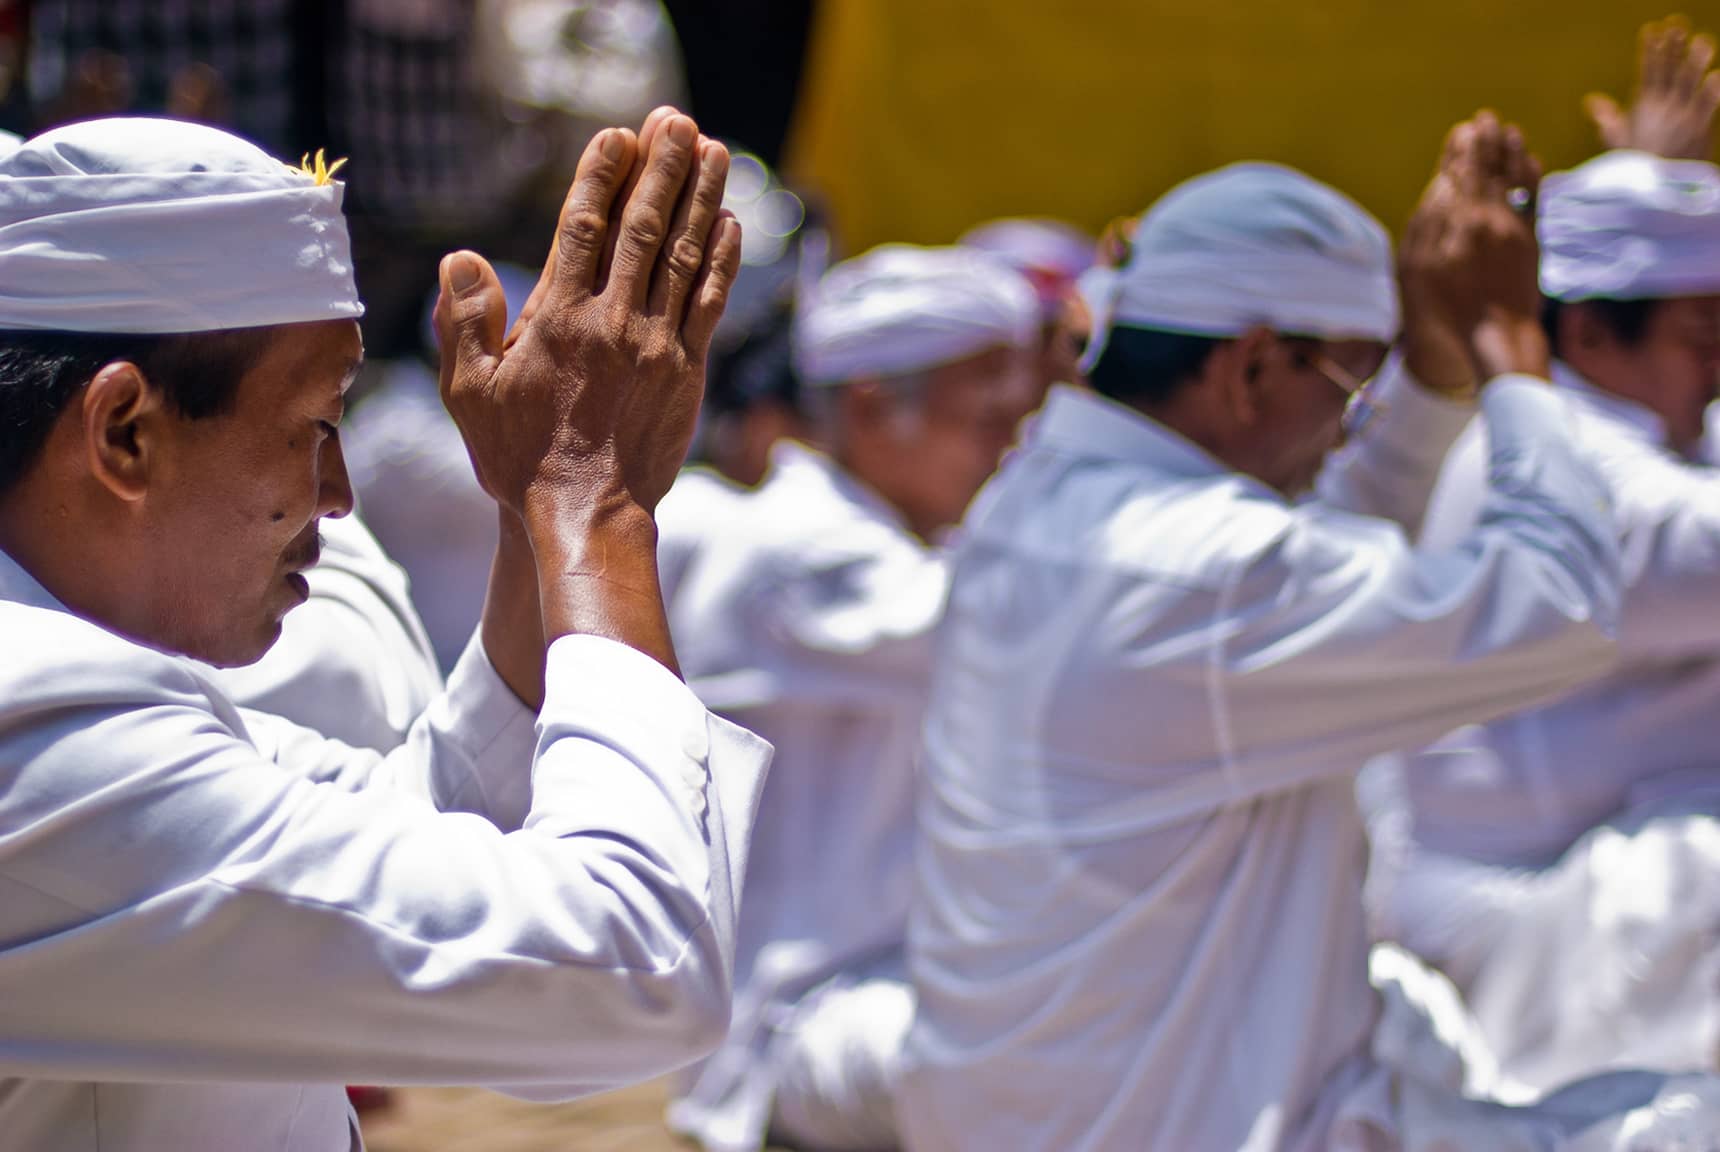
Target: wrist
{"x":1512,"y":345}
{"x":1441,"y":367}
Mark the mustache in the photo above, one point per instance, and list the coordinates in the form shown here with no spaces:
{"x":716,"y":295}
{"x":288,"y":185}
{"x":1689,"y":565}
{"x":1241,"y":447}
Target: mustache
{"x":306,"y":552}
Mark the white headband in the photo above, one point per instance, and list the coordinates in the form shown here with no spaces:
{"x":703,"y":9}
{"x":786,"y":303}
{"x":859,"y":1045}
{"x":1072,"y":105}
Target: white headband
{"x":1631,"y":226}
{"x":138,"y":225}
{"x":1250,"y":244}
{"x":900,"y":309}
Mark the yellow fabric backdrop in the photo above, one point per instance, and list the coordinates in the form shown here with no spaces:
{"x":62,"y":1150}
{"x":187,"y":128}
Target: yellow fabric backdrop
{"x":919,"y":118}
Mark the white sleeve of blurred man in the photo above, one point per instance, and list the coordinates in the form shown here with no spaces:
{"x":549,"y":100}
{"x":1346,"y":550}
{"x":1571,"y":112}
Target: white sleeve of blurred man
{"x":1560,"y":863}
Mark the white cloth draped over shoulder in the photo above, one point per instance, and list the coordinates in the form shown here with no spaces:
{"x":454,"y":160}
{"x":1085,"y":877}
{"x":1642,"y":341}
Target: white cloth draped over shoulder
{"x":1139,"y":920}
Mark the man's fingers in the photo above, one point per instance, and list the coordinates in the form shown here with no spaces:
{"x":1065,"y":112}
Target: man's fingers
{"x":1661,"y":41}
{"x":1462,"y":168}
{"x":711,"y":290}
{"x":584,"y":227}
{"x":647,"y":136}
{"x":689,"y":233}
{"x":1708,"y":100}
{"x":1456,"y":151}
{"x":1608,"y":118}
{"x":471,"y":318}
{"x":646,"y":214}
{"x":1519,"y":167}
{"x":1490,"y":154}
{"x":1698,"y":59}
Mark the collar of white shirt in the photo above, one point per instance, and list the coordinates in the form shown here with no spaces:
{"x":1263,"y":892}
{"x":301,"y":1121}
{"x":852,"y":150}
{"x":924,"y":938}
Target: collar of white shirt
{"x":1635,"y":418}
{"x":1079,"y":422}
{"x":19,"y":587}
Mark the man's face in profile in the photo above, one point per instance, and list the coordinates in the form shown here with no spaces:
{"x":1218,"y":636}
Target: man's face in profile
{"x":234,"y":498}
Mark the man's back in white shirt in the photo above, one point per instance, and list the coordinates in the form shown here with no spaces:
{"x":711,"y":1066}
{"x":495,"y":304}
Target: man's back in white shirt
{"x":1139,"y":920}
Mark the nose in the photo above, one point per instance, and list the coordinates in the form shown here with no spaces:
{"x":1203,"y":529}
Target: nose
{"x":334,"y":487}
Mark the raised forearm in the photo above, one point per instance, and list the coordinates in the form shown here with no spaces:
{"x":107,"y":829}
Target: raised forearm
{"x":596,"y":571}
{"x":512,"y":624}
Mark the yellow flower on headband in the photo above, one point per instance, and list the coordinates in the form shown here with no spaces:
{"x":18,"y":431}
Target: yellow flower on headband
{"x":322,"y":171}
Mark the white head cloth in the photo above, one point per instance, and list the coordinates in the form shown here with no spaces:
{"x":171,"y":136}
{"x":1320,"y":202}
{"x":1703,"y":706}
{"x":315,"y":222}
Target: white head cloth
{"x":901,"y":308}
{"x":1050,"y":253}
{"x":137,"y":225}
{"x":1247,"y":245}
{"x":1631,"y":226}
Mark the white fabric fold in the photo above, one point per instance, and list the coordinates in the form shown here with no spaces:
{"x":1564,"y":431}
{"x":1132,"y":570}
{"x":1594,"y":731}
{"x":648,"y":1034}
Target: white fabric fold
{"x":1631,"y":226}
{"x":139,"y":225}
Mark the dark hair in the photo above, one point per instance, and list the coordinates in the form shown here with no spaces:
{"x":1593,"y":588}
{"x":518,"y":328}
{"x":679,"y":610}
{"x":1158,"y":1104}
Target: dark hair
{"x":1627,"y":320}
{"x":755,"y":367}
{"x":1148,"y":366}
{"x":40,"y":372}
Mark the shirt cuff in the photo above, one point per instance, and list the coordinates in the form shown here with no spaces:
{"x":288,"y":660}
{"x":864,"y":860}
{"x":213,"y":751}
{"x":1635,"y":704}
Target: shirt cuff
{"x":625,"y":701}
{"x":1415,"y":424}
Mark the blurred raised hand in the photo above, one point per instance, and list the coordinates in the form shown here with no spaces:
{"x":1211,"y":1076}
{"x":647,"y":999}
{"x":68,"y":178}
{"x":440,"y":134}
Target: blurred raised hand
{"x":1468,"y":263}
{"x":1672,"y":111}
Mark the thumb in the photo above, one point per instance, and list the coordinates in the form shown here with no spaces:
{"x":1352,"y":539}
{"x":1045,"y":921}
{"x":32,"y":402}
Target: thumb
{"x":1608,"y":118}
{"x":471,"y":313}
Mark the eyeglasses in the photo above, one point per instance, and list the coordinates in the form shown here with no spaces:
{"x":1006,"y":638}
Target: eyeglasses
{"x":1361,"y":408}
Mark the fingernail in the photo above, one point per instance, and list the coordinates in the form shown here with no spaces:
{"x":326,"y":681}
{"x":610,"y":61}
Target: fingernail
{"x":682,"y":131}
{"x":462,"y":272}
{"x":611,"y":146}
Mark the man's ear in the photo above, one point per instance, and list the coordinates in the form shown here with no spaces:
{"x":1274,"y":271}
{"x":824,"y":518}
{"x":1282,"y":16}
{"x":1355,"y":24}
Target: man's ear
{"x":122,"y":427}
{"x":1239,"y":370}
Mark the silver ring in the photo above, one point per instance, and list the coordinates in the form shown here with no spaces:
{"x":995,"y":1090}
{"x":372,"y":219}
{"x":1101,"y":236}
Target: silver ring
{"x":1520,"y":199}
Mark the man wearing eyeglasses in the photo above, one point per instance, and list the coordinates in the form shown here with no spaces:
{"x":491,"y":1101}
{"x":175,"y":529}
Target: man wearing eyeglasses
{"x":1139,"y":919}
{"x":1562,"y":865}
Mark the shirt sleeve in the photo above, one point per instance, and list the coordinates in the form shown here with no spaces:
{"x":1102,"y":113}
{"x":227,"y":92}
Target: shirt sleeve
{"x":177,"y":906}
{"x":469,"y":751}
{"x":1389,"y":469}
{"x":1342,"y":642}
{"x":1668,"y":516}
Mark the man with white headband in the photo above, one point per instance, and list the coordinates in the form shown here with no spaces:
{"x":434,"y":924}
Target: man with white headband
{"x":807,"y":614}
{"x":213,"y":919}
{"x":1138,"y":921}
{"x":1052,"y":255}
{"x":1563,"y":864}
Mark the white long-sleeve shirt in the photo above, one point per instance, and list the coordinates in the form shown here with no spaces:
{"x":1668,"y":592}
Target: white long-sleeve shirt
{"x":806,"y":612}
{"x":217,"y":899}
{"x":1520,"y":790}
{"x":1138,"y":920}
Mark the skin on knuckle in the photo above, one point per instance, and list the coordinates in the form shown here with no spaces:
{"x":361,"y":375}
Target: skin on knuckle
{"x":584,"y":226}
{"x":685,"y":257}
{"x":644,"y":226}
